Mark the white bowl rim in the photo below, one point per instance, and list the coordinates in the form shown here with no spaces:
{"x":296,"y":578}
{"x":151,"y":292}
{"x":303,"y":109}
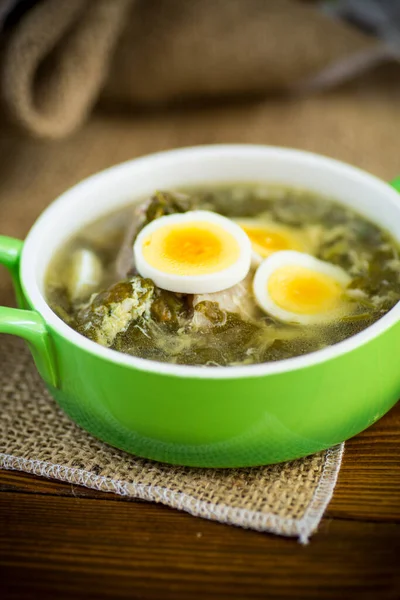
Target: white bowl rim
{"x":38,"y":302}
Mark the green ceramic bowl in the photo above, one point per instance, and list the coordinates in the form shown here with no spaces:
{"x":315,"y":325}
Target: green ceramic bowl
{"x":220,"y":417}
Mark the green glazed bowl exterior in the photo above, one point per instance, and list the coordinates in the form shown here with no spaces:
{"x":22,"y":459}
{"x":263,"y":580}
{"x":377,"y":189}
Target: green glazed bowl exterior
{"x":229,"y":422}
{"x":192,"y":416}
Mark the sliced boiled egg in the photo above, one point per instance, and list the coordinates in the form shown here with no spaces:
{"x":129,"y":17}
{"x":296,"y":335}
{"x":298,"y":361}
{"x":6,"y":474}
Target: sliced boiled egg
{"x":195,"y":252}
{"x":267,"y":237}
{"x":298,"y":288}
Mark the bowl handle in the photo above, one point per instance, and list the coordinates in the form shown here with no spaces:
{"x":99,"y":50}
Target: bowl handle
{"x":26,"y":324}
{"x":396,"y":183}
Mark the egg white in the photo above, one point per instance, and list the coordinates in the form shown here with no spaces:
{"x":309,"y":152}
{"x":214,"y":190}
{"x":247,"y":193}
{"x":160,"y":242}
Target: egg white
{"x":195,"y":284}
{"x":84,"y":273}
{"x":288,"y":258}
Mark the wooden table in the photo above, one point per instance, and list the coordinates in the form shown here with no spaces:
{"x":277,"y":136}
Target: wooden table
{"x":65,"y":541}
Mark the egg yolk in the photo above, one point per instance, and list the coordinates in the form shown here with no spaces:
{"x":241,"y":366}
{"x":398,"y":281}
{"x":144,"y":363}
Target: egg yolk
{"x":197,"y":248}
{"x":304,"y":291}
{"x":265,"y":241}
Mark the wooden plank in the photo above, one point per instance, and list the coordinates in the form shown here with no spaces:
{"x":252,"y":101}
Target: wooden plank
{"x":84,"y":548}
{"x":369,"y":480}
{"x":368,"y":486}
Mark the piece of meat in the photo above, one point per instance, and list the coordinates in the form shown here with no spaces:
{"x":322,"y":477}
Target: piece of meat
{"x":236,"y":299}
{"x":124,"y":264}
{"x":159,"y":205}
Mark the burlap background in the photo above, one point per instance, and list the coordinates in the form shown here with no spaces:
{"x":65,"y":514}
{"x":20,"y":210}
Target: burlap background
{"x":358,"y":123}
{"x":65,"y":54}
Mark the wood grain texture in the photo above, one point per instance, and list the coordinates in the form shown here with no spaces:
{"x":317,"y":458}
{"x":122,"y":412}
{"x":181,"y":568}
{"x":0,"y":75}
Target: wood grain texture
{"x":68,"y":545}
{"x":369,"y":480}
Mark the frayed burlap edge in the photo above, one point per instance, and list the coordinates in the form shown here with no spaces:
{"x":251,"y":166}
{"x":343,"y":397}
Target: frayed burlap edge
{"x":301,"y":528}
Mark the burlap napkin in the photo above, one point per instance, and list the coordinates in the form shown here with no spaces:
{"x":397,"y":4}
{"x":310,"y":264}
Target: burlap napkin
{"x":61,"y":55}
{"x":37,"y":437}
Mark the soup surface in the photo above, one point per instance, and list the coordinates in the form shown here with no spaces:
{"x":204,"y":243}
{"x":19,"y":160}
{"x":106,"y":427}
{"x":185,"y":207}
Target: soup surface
{"x":319,"y":274}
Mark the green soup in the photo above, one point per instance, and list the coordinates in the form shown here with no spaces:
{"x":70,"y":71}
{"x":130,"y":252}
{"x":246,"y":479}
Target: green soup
{"x":93,"y":285}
